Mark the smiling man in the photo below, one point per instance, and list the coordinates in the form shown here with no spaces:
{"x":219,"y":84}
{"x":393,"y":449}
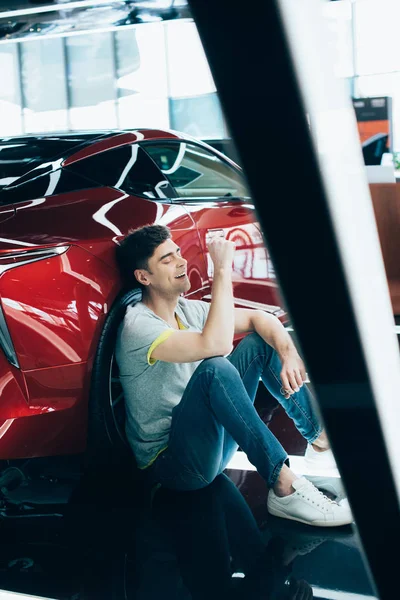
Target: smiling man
{"x":190,"y":398}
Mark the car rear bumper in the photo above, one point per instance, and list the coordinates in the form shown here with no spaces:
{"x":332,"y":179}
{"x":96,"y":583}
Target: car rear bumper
{"x":42,"y":412}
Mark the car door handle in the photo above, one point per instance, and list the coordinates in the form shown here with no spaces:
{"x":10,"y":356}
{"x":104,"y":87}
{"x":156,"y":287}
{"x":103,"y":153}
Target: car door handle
{"x":216,"y":232}
{"x":211,"y":234}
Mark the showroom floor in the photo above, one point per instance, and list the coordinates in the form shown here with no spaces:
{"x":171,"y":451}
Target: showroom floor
{"x":218,"y":542}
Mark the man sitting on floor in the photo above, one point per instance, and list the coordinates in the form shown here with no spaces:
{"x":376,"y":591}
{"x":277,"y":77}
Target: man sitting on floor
{"x":190,"y":398}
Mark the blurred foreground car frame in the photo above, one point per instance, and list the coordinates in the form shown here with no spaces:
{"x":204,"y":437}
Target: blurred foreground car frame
{"x":354,"y":365}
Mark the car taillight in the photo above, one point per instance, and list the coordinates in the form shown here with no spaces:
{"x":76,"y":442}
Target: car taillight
{"x":10,"y":260}
{"x":17,"y":258}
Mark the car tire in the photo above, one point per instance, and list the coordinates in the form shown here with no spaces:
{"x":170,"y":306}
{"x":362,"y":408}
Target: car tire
{"x":107,"y":445}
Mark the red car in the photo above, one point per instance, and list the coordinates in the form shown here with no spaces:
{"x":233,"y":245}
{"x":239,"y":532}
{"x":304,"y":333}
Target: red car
{"x":66,"y":202}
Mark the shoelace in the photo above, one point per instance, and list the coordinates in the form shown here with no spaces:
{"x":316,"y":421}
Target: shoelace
{"x":314,"y":491}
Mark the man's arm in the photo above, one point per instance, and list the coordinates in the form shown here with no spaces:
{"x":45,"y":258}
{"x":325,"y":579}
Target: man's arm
{"x":272,"y":331}
{"x":217,"y":336}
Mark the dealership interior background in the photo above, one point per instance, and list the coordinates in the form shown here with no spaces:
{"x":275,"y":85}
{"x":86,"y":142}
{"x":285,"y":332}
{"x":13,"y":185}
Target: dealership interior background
{"x":101,"y":66}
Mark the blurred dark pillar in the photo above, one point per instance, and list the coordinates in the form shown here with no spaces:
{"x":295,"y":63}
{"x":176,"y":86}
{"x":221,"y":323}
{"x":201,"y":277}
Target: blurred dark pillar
{"x":248,"y":54}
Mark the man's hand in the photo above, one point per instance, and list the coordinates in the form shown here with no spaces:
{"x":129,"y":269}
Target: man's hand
{"x":221,"y":252}
{"x":293,"y":373}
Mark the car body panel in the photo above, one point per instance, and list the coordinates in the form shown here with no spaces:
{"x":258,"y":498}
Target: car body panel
{"x":49,"y":434}
{"x":119,"y":139}
{"x":42,"y":412}
{"x":53,"y":307}
{"x":254,"y":281}
{"x":95,"y":220}
{"x":103,"y":145}
{"x":13,"y":391}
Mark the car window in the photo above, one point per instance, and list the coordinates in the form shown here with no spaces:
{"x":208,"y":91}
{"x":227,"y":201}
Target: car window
{"x":127,"y":168}
{"x":194,"y":172}
{"x":18,"y":156}
{"x":57,"y":182}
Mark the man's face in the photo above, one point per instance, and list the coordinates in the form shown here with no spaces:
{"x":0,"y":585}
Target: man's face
{"x":167,"y":270}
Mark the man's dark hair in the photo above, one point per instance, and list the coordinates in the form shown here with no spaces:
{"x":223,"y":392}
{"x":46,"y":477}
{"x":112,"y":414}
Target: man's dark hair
{"x":137,"y":247}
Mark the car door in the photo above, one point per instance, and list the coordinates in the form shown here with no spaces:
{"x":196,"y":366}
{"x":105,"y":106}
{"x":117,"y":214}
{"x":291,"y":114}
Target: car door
{"x":213,"y":191}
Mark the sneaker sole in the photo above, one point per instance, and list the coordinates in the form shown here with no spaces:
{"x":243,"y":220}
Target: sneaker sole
{"x":277,"y":513}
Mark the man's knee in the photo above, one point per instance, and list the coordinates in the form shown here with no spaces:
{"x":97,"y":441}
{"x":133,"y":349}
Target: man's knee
{"x":218,"y":367}
{"x":254,"y":345}
{"x":217,"y":364}
{"x":255,"y":339}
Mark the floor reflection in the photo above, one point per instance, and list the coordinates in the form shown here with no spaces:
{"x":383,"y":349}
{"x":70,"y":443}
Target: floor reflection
{"x":218,"y":549}
{"x":113,"y":539}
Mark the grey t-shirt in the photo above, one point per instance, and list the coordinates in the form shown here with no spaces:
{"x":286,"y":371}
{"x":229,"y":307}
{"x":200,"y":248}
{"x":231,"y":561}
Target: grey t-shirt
{"x":153,"y":388}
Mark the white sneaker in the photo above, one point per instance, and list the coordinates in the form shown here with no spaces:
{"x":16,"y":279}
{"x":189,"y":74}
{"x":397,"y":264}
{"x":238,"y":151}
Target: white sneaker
{"x":330,"y":485}
{"x":308,"y":505}
{"x":320,"y":463}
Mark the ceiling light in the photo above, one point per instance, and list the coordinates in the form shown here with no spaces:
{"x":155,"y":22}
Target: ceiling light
{"x":158,"y":4}
{"x":53,"y":8}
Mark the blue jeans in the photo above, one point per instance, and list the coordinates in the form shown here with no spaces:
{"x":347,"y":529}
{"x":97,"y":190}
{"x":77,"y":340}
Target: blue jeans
{"x":217,"y":414}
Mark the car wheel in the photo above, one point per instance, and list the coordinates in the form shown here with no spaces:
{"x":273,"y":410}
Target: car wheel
{"x":107,"y":444}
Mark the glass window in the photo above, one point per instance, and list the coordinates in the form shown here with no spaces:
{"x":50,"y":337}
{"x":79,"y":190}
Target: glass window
{"x":188,"y":70}
{"x":16,"y":158}
{"x":200,"y":117}
{"x":127,"y":168}
{"x":142,"y":77}
{"x":43,"y":85}
{"x":376,"y":36}
{"x":10,"y":97}
{"x":225,"y":146}
{"x":91,"y":81}
{"x":23,"y":158}
{"x":338,"y":16}
{"x":194,"y":172}
{"x":57,"y":182}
